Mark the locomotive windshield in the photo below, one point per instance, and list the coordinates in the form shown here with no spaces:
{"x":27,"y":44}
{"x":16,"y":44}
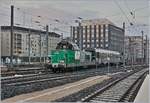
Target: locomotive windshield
{"x":67,"y":45}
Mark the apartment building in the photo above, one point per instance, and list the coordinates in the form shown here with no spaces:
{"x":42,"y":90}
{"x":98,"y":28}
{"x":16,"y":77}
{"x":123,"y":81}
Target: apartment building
{"x":136,"y":49}
{"x":98,"y":33}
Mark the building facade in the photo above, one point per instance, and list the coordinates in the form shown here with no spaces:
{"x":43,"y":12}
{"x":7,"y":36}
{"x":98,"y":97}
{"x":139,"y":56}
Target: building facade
{"x":25,"y":40}
{"x":98,"y":33}
{"x":136,"y":49}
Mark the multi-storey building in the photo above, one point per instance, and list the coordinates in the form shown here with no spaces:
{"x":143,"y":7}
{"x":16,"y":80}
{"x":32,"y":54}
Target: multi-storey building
{"x":21,"y":44}
{"x":136,"y":49}
{"x":98,"y":33}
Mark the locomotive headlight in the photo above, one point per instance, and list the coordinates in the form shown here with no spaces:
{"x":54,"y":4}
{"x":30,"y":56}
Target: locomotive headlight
{"x":62,"y":61}
{"x":48,"y":61}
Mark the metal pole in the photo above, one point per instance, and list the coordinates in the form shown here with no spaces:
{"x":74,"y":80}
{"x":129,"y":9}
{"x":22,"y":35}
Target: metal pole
{"x":134,"y":54}
{"x":47,"y":40}
{"x":132,"y":60}
{"x":124,"y":45}
{"x":108,"y":62}
{"x":80,"y":42}
{"x":11,"y":32}
{"x":116,"y":61}
{"x":96,"y":60}
{"x":142,"y":46}
{"x":29,"y":50}
{"x":130,"y":53}
{"x":71,"y":34}
{"x":24,"y":18}
{"x":147,"y":53}
{"x":146,"y":49}
{"x":40,"y":47}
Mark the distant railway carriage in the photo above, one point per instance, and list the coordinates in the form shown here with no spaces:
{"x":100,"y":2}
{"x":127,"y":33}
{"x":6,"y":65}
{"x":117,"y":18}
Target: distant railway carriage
{"x":68,"y":56}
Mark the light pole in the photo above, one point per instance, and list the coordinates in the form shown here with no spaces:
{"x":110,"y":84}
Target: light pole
{"x":47,"y":41}
{"x":11,"y":32}
{"x":71,"y":34}
{"x":40,"y":47}
{"x":40,"y":38}
{"x":108,"y":59}
{"x":117,"y":62}
{"x":80,"y":31}
{"x":96,"y":59}
{"x":29,"y":34}
{"x":29,"y":43}
{"x":147,"y":51}
{"x":142,"y":47}
{"x":124,"y":45}
{"x":38,"y":22}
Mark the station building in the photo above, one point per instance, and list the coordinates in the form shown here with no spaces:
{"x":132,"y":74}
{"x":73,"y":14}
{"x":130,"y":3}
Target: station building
{"x":38,"y":45}
{"x":99,"y":33}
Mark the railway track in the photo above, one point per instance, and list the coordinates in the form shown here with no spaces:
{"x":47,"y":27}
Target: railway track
{"x":12,"y":87}
{"x":40,"y":76}
{"x":131,"y":93}
{"x":22,"y":71}
{"x":120,"y":90}
{"x":18,"y":77}
{"x":23,"y":78}
{"x":16,"y":86}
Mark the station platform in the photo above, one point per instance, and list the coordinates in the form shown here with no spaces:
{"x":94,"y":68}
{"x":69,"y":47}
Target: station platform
{"x":143,"y":94}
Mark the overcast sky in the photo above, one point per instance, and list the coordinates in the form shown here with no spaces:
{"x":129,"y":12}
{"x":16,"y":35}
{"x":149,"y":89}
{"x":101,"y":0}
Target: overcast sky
{"x":66,"y":11}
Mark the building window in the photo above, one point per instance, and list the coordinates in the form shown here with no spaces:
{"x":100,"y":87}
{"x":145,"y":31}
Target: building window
{"x":92,"y":45}
{"x":83,"y":36}
{"x":97,"y":30}
{"x":106,"y":35}
{"x":97,"y":35}
{"x":88,"y":35}
{"x":101,"y":30}
{"x":84,"y":31}
{"x":106,"y":26}
{"x":106,"y":39}
{"x":88,"y":30}
{"x":75,"y":35}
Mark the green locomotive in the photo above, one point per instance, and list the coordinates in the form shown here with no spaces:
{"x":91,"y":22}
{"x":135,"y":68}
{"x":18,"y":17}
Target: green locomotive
{"x":68,"y":56}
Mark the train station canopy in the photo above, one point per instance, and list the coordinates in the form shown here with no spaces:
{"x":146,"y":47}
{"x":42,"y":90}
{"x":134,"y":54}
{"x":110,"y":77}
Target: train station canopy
{"x":104,"y":51}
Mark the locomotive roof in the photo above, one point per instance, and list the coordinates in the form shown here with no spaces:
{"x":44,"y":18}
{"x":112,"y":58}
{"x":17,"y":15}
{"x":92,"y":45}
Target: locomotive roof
{"x":69,"y":44}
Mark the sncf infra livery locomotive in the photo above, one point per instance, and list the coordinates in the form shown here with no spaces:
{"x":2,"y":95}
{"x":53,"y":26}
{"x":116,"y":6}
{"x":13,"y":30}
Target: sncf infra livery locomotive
{"x":68,"y":56}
